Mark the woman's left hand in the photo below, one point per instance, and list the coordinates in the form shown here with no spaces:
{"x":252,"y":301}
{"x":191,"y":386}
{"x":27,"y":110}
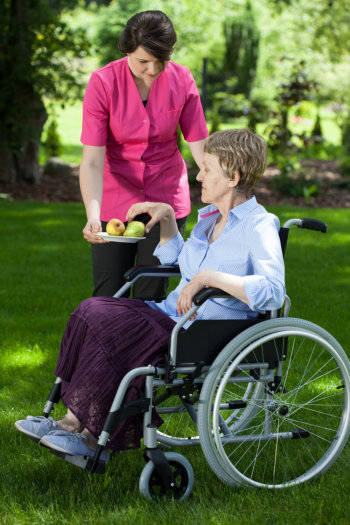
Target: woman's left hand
{"x":184,"y":301}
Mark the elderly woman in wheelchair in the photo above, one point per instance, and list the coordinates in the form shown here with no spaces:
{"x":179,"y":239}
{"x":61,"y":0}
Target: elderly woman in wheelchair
{"x":110,"y":345}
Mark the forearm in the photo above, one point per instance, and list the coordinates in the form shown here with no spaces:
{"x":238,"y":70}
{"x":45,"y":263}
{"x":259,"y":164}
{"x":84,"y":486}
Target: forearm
{"x":232,"y":284}
{"x":91,"y":185}
{"x":168,"y":228}
{"x":197,"y":150}
{"x":159,"y":212}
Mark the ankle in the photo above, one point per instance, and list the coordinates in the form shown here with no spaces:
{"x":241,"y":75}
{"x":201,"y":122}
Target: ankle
{"x":91,"y":440}
{"x":69,"y":425}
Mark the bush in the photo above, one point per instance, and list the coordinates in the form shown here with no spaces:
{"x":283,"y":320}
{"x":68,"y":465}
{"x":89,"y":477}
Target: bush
{"x":52,"y":145}
{"x":292,"y":181}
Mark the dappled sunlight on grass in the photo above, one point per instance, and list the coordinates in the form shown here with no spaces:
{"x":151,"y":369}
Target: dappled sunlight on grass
{"x":23,"y":357}
{"x":51,"y":223}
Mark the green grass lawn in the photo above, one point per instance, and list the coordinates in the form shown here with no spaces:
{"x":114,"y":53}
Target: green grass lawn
{"x":45,"y":273}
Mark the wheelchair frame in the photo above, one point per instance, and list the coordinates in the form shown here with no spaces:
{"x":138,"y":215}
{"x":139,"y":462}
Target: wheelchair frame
{"x":241,"y":401}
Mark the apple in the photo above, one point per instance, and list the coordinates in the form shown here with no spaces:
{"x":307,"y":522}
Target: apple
{"x":135,"y":229}
{"x":115,"y":227}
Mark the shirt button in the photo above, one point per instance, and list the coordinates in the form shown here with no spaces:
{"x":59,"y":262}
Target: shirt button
{"x":141,"y":163}
{"x":145,"y":121}
{"x":141,"y":191}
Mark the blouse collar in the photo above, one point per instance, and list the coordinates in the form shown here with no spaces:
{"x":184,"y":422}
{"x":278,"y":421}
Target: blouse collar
{"x":239,"y":211}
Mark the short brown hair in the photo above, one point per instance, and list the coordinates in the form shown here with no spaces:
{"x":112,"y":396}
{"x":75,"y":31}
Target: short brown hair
{"x":239,"y":151}
{"x":153,"y":31}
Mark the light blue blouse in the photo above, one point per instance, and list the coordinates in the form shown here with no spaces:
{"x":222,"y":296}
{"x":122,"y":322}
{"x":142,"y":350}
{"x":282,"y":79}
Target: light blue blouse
{"x":249,"y":246}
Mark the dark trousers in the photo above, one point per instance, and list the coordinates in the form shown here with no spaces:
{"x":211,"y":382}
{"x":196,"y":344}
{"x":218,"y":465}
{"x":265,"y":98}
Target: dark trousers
{"x":111,"y":260}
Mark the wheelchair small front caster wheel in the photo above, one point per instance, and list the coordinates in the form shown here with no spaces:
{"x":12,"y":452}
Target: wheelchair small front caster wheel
{"x":151,"y":485}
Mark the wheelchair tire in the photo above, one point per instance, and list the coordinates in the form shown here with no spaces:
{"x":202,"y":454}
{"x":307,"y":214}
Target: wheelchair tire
{"x":300,"y":427}
{"x":151,"y":485}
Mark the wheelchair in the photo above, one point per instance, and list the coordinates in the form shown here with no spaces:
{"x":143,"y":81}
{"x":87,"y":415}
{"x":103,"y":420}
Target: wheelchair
{"x":266,"y":399}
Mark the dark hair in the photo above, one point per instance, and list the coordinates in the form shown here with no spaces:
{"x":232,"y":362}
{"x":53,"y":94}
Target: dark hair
{"x":153,"y":31}
{"x":239,"y":151}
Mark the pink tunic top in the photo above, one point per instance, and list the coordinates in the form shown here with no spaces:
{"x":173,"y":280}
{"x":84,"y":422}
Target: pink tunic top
{"x":142,"y":161}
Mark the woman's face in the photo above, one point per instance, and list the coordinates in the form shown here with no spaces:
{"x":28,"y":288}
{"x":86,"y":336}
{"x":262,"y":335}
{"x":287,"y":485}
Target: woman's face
{"x":215,"y":185}
{"x":145,"y":66}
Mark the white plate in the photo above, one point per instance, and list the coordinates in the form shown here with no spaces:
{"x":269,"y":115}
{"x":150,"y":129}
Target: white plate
{"x":119,"y":238}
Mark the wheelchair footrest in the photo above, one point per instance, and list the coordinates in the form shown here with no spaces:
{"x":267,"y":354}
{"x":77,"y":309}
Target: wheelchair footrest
{"x":84,"y":462}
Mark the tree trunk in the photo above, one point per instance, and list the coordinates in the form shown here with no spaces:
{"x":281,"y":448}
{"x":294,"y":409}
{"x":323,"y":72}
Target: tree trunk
{"x":22,"y":112}
{"x":22,"y":164}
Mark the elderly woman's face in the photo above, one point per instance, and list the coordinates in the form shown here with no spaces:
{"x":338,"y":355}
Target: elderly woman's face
{"x":145,"y":66}
{"x":215,"y":185}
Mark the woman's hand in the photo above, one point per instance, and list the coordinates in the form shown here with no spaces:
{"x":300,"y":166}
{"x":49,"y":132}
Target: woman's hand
{"x":158,"y":211}
{"x":92,"y":227}
{"x":184,"y":301}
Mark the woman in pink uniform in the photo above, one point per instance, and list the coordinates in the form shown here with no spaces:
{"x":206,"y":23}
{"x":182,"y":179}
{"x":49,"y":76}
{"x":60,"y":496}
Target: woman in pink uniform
{"x":131,"y":113}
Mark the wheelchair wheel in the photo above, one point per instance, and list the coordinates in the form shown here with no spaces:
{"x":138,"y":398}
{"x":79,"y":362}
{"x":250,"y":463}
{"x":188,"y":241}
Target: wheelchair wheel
{"x":179,"y":415}
{"x":151,"y":485}
{"x":298,"y":427}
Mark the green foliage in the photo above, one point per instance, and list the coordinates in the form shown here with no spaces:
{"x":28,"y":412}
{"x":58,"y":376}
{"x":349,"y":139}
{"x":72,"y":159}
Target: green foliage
{"x":215,"y":118}
{"x":111,"y":22}
{"x":282,"y":141}
{"x":344,"y":118}
{"x":235,"y":73}
{"x":297,"y":185}
{"x":317,"y":129}
{"x":292,"y":180}
{"x":345,"y":138}
{"x":241,"y":50}
{"x":37,"y":65}
{"x":52,"y":144}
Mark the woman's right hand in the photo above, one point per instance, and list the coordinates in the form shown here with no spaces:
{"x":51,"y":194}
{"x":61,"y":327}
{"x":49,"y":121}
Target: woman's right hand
{"x":158,"y":211}
{"x":91,"y":228}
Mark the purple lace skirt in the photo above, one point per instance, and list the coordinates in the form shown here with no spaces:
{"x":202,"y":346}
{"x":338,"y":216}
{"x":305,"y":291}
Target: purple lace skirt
{"x":104,"y":339}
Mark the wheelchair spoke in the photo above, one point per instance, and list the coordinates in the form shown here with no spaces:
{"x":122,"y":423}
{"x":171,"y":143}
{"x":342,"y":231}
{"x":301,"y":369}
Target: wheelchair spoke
{"x":178,"y":427}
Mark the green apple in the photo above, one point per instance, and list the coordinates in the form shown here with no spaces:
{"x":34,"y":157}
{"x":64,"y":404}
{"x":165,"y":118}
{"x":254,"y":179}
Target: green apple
{"x":115,"y":227}
{"x":134,"y":229}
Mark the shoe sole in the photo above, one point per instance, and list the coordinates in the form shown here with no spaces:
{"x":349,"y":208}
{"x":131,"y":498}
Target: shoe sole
{"x":56,"y":448}
{"x":48,"y":444}
{"x":35,"y":437}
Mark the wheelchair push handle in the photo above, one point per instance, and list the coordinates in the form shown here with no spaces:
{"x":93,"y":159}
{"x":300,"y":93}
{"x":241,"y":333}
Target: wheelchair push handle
{"x":307,"y":224}
{"x":313,"y":224}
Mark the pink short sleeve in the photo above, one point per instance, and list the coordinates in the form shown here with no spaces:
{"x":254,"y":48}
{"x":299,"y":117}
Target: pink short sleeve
{"x":95,"y":113}
{"x":192,"y":120}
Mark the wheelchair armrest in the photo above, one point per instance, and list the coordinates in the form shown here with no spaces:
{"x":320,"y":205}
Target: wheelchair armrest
{"x":170,"y":270}
{"x":206,"y":293}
